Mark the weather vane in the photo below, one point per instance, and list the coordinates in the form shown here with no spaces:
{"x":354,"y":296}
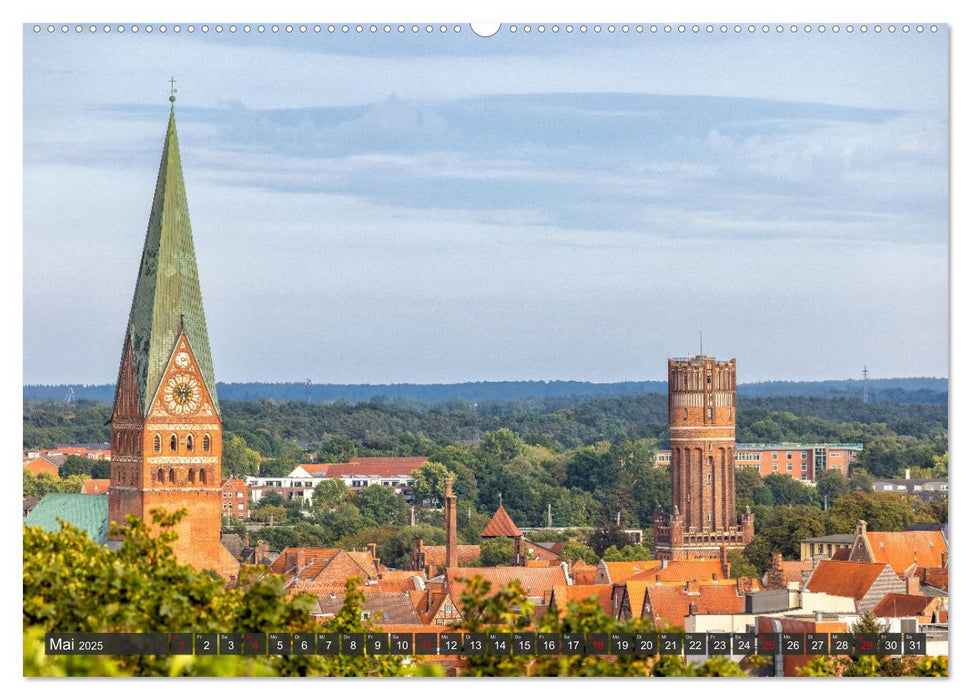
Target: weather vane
{"x":172,"y":89}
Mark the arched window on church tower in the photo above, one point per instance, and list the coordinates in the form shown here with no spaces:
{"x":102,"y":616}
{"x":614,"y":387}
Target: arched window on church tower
{"x":192,"y":476}
{"x":171,"y":476}
{"x":160,"y":477}
{"x":206,"y":443}
{"x":173,"y":443}
{"x":189,"y":443}
{"x":202,"y":476}
{"x":157,"y":442}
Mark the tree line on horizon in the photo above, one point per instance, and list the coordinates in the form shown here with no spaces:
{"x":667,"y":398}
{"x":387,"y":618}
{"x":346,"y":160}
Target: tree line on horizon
{"x":899,"y":390}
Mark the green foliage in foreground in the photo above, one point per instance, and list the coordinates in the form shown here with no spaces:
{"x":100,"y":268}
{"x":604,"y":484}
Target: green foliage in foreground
{"x":73,"y":585}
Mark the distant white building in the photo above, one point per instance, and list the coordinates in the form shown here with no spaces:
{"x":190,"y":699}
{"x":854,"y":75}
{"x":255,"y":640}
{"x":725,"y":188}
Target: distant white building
{"x":393,"y":472}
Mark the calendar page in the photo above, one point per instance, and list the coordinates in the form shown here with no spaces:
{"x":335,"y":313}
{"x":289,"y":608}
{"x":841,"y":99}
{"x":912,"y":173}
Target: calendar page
{"x":521,"y":349}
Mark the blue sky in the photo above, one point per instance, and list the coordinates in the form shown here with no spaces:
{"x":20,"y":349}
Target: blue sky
{"x":446,"y":208}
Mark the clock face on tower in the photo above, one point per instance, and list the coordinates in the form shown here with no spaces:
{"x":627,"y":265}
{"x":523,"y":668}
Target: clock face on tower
{"x":182,"y":394}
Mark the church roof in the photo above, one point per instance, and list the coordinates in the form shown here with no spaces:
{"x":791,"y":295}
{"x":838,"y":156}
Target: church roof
{"x":501,"y":525}
{"x":167,"y":297}
{"x":88,"y":512}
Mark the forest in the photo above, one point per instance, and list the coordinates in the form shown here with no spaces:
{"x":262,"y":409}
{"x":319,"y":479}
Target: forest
{"x":588,"y":462}
{"x":900,"y":390}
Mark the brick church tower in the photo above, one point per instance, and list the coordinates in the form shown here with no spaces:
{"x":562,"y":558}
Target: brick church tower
{"x":701,"y":423}
{"x":166,"y":432}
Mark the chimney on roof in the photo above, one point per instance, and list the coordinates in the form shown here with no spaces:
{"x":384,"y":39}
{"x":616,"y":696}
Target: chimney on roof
{"x":860,"y":527}
{"x":261,"y":551}
{"x":451,"y":527}
{"x":726,"y":566}
{"x":913,"y":585}
{"x":692,"y":609}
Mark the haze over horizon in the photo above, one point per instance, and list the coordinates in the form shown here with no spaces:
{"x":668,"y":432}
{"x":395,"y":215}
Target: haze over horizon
{"x":445,"y":209}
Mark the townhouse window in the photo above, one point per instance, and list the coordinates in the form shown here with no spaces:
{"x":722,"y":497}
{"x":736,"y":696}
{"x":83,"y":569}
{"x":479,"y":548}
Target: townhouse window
{"x":788,"y":467}
{"x":775,"y":467}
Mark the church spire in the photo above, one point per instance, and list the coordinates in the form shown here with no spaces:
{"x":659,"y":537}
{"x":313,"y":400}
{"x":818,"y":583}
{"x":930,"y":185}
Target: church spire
{"x":168,"y":300}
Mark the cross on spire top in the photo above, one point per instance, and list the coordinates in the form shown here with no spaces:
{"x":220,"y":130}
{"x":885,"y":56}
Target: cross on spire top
{"x":172,"y":89}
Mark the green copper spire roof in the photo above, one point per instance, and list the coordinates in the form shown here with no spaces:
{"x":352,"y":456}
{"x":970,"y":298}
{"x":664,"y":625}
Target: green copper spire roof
{"x":167,"y":295}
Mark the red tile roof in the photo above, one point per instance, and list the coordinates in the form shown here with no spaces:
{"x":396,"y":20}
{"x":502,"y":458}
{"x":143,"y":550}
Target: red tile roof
{"x":792,"y":571}
{"x":367,"y":466}
{"x":636,"y":592}
{"x":435,"y":555}
{"x":583,"y":573}
{"x":381,"y":606}
{"x":935,"y":576}
{"x":95,"y":485}
{"x":904,"y":549}
{"x":850,"y":579}
{"x":683,"y":571}
{"x":40,"y":465}
{"x":238,"y":484}
{"x":621,"y":571}
{"x":900,"y":605}
{"x":563,"y":595}
{"x":541,"y":552}
{"x":401,"y":575}
{"x":320,"y":569}
{"x":501,"y":525}
{"x":669,"y":605}
{"x":311,"y":559}
{"x":538,"y":583}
